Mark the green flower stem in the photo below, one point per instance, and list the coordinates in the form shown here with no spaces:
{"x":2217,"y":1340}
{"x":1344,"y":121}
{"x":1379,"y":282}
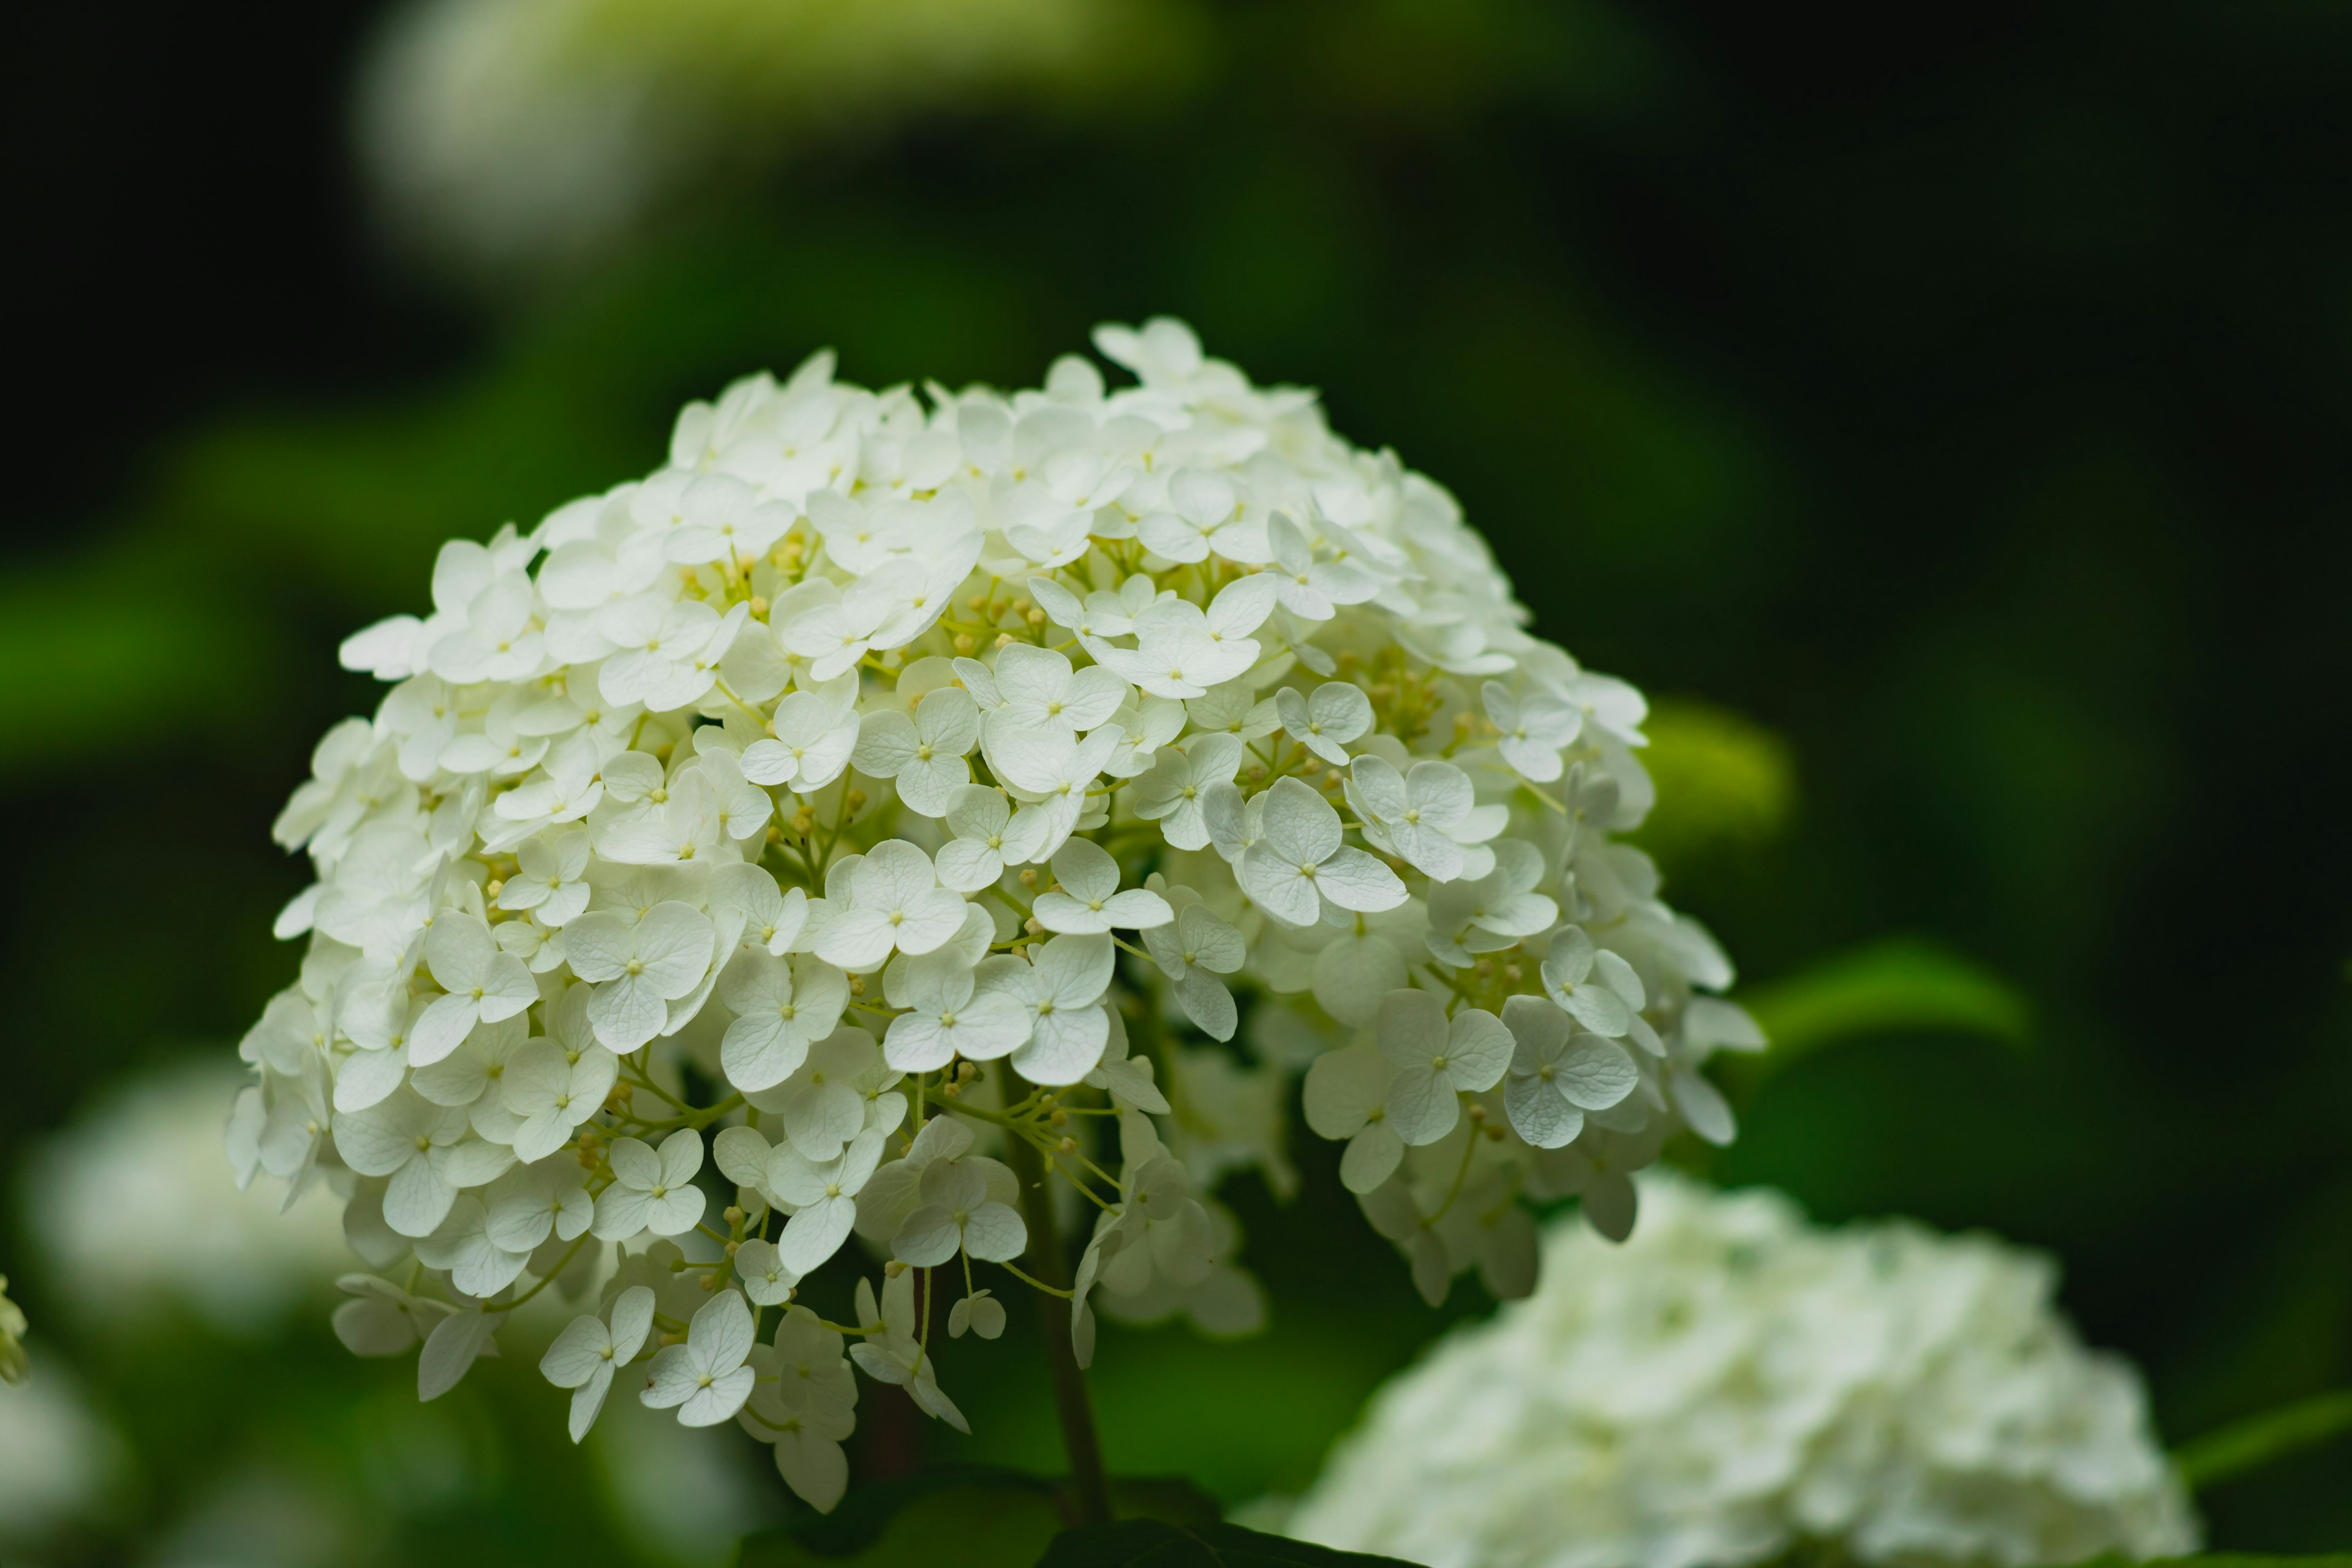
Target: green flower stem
{"x":1088,"y":1480}
{"x":1035,"y":1283}
{"x":564,"y":1263}
{"x":2256,"y":1441}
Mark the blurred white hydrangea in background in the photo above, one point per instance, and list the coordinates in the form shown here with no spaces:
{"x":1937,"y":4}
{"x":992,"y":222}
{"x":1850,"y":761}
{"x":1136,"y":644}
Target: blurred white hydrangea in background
{"x":152,"y":1147}
{"x":505,"y":135}
{"x":1732,"y":1382}
{"x":59,"y":1459}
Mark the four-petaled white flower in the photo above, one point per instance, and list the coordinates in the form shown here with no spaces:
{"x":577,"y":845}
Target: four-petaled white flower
{"x":1437,"y":1060}
{"x":1497,"y":912}
{"x":821,"y":1104}
{"x":772,"y":917}
{"x":705,"y":1380}
{"x":1558,"y":1075}
{"x":483,"y":985}
{"x":1089,"y":902}
{"x":1594,"y":985}
{"x":554,"y":1086}
{"x":590,"y":1350}
{"x":552,"y":881}
{"x":1347,"y":1096}
{"x":1051,"y":768}
{"x":669,"y":652}
{"x":651,"y":1191}
{"x":1324,"y":722}
{"x":478,"y":1265}
{"x":767,"y":1280}
{"x":1193,"y":949}
{"x":1173,"y":792}
{"x":947,"y":1016}
{"x":783,"y":1007}
{"x":1036,"y":689}
{"x":989,"y":837}
{"x":823,"y":1195}
{"x":1312,"y":589}
{"x":1203,"y":510}
{"x":427,"y":1151}
{"x":1060,"y":990}
{"x":802,"y":1406}
{"x":815,"y":735}
{"x":532,"y":1203}
{"x":895,"y":905}
{"x":638,"y":968}
{"x":1534,"y":728}
{"x":1419,"y":814}
{"x":924,"y":753}
{"x":1300,"y":863}
{"x":958,"y":1215}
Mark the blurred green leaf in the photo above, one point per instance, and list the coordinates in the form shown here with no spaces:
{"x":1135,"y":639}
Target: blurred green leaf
{"x":1902,"y":985}
{"x":972,"y":1519}
{"x":1150,"y":1543}
{"x":88,"y":665}
{"x":979,"y":1516}
{"x":2250,"y":1444}
{"x":1725,"y":781}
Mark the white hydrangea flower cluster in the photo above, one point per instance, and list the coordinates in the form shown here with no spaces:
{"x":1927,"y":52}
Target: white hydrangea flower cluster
{"x":1733,"y":1382}
{"x":888,"y":774}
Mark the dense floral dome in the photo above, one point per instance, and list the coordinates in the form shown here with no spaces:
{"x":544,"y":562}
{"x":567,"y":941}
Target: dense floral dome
{"x":891,"y":782}
{"x":1733,"y":1383}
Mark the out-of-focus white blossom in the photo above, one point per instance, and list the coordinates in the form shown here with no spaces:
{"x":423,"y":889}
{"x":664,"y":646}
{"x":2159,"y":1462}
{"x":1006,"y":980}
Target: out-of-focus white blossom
{"x":1733,"y":1381}
{"x":148,"y":1153}
{"x":59,"y":1459}
{"x":971,"y":761}
{"x":506,"y":134}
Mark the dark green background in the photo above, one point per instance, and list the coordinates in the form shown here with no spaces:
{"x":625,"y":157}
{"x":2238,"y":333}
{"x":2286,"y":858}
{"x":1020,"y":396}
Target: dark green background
{"x":1961,"y":396}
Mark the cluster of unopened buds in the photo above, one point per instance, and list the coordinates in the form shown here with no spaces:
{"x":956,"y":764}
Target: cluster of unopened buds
{"x":933,"y":818}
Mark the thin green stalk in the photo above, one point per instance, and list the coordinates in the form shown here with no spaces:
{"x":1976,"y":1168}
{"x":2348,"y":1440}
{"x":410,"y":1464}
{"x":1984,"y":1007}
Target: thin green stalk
{"x":1088,"y":1480}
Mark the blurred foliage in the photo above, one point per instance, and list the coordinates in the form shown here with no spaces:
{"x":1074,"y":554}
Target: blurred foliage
{"x":1726,"y":783}
{"x":983,"y":1515}
{"x":1957,"y":412}
{"x":2243,"y":1447}
{"x":964,"y":1521}
{"x":1900,"y":986}
{"x":1153,"y":1543}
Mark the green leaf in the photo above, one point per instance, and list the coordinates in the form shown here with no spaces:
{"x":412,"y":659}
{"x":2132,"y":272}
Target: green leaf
{"x":1725,"y":782}
{"x":978,"y":1516}
{"x":1903,"y":986}
{"x":2225,"y":1559}
{"x":1151,"y":1544}
{"x":2255,"y":1441}
{"x":972,"y":1520}
{"x":88,"y":666}
{"x":1171,"y":1499}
